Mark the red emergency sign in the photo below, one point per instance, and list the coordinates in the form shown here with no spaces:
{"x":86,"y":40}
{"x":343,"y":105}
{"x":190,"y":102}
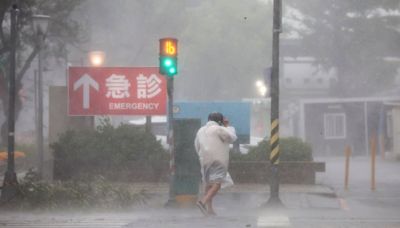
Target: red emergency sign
{"x":116,"y":91}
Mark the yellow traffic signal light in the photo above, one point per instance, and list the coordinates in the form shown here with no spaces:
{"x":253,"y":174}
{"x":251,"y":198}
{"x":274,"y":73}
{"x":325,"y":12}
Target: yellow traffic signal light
{"x":168,"y":56}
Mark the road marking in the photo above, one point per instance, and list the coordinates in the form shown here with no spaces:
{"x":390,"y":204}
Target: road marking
{"x":70,"y":225}
{"x":296,"y":220}
{"x":66,"y":223}
{"x":273,"y":221}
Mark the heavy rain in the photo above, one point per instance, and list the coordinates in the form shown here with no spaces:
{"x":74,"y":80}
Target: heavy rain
{"x":200,"y":113}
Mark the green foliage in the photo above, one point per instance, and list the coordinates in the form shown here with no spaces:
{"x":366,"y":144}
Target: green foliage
{"x":291,"y":149}
{"x":64,"y":29}
{"x":354,"y":37}
{"x":71,"y":194}
{"x":107,"y":148}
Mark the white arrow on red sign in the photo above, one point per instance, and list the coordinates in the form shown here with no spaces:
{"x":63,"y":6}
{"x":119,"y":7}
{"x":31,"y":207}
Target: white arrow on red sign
{"x":86,"y":81}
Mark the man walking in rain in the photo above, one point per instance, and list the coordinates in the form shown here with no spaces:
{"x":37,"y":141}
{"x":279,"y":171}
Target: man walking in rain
{"x":212,"y":145}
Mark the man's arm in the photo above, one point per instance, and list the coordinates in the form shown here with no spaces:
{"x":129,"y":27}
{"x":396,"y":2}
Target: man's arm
{"x":227,"y":134}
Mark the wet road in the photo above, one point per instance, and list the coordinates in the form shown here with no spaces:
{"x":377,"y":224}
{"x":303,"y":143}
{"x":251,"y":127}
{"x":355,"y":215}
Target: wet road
{"x":192,"y":219}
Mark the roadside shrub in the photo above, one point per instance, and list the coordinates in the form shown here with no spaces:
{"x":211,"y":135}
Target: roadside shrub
{"x":97,"y":193}
{"x":87,"y":153}
{"x":291,"y":149}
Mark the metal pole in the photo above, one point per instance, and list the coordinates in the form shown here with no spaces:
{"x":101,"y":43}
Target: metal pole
{"x":36,"y":113}
{"x":347,"y":167}
{"x":366,"y":131}
{"x":10,"y":178}
{"x":40,"y":107}
{"x":148,"y":124}
{"x":373,"y":162}
{"x":274,"y":136}
{"x":170,"y":91}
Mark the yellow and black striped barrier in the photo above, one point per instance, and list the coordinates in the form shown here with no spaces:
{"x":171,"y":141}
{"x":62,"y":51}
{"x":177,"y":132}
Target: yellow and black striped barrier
{"x":274,"y":142}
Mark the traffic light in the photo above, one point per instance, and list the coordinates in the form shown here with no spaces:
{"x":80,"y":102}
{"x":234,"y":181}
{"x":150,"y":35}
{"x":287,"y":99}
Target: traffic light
{"x":168,"y":56}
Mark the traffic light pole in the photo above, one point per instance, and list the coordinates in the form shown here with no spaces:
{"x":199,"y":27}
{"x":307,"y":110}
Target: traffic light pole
{"x":169,"y":68}
{"x":10,"y":183}
{"x":274,"y":136}
{"x":170,"y":92}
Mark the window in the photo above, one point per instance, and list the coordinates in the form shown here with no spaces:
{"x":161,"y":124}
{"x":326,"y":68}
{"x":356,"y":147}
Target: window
{"x":335,"y":125}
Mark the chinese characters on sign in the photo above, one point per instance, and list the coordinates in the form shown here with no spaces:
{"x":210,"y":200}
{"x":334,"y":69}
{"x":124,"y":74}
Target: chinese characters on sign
{"x":117,"y":86}
{"x":148,"y":87}
{"x":116,"y":91}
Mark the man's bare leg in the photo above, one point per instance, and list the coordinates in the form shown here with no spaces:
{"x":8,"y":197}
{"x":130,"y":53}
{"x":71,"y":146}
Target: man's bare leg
{"x":210,"y":208}
{"x":209,"y":204}
{"x":211,"y":191}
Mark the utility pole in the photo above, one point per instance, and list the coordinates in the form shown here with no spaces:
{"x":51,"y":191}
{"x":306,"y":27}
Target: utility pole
{"x":38,"y":138}
{"x":40,"y":107}
{"x":10,"y":182}
{"x":40,"y":23}
{"x":274,"y":140}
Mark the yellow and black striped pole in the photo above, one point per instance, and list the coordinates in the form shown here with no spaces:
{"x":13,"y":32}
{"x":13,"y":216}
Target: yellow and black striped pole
{"x":274,"y":140}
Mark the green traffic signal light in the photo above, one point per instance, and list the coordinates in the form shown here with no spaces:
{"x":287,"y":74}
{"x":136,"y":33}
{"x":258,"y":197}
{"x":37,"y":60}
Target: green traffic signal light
{"x":167,"y":62}
{"x":172,"y":70}
{"x":168,"y":66}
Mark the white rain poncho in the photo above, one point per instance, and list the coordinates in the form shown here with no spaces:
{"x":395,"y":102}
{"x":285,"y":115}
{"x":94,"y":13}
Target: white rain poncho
{"x":212,"y":145}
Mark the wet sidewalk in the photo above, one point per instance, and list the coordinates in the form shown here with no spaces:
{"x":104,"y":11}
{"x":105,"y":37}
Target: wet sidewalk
{"x":249,"y":196}
{"x":245,"y":188}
